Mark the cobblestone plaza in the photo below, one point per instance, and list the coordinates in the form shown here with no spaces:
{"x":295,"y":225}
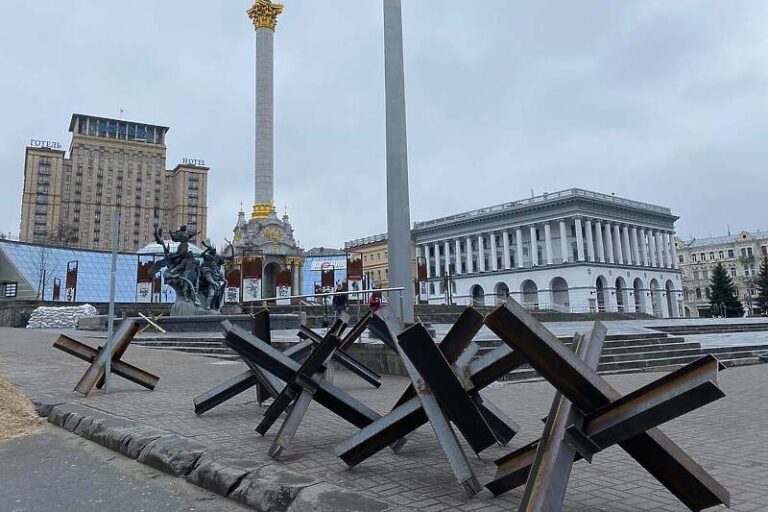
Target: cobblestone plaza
{"x":727,"y":437}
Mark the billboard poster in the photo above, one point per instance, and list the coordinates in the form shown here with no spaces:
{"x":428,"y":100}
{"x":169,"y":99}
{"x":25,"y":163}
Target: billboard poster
{"x":327,"y":278}
{"x":252,"y":273}
{"x":157,"y":287}
{"x":283,"y":281}
{"x":144,"y":278}
{"x":421,"y":277}
{"x":354,"y":273}
{"x":232,"y":276}
{"x":71,"y":283}
{"x":144,"y":292}
{"x":56,"y":289}
{"x":337,"y":262}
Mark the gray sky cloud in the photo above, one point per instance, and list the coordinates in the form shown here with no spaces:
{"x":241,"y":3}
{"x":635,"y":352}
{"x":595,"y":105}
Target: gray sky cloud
{"x":657,"y":101}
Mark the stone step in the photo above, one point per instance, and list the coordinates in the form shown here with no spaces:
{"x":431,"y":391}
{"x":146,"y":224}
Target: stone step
{"x":713,"y":328}
{"x":608,"y":345}
{"x":194,"y":349}
{"x":662,"y":365}
{"x":641,"y":347}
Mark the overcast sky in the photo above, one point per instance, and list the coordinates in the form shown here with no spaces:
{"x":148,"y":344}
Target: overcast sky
{"x":658,"y":101}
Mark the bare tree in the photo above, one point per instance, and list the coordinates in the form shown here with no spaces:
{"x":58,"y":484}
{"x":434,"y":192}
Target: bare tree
{"x":44,"y":271}
{"x":61,"y":235}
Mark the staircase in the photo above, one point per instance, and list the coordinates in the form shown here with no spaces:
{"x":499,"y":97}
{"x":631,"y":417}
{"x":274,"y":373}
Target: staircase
{"x":444,"y":314}
{"x":622,"y":353}
{"x":652,"y":351}
{"x":713,"y":328}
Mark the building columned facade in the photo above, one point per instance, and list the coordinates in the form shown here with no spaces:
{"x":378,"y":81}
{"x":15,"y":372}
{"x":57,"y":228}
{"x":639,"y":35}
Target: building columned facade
{"x":112,"y":164}
{"x":740,"y":255}
{"x":574,"y":251}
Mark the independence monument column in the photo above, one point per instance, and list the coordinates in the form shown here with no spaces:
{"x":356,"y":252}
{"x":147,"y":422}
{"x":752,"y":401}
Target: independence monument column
{"x":264,"y":16}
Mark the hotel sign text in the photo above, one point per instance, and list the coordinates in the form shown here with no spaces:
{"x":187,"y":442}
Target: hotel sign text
{"x":35,"y":143}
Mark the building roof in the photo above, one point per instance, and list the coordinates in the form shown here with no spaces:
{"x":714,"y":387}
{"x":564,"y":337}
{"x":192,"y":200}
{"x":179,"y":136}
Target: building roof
{"x":324,"y":251}
{"x":366,"y":241}
{"x":157,"y":250}
{"x":723,"y":239}
{"x":569,"y":194}
{"x":76,"y":115}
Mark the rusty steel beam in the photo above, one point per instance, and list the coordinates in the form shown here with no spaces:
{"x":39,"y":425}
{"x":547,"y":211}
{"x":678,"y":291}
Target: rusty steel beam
{"x":652,"y":449}
{"x":357,"y":330}
{"x":445,"y":435}
{"x":285,"y":368}
{"x":342,"y":357}
{"x":443,"y":393}
{"x":302,"y":379}
{"x":225,"y":391}
{"x":94,"y":375}
{"x":551,"y":467}
{"x":435,"y":371}
{"x":679,"y":392}
{"x":456,"y":340}
{"x":547,"y":355}
{"x":409,"y":416}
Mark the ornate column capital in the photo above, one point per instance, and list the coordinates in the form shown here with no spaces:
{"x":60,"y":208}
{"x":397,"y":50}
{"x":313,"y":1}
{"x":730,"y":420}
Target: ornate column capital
{"x":264,"y":14}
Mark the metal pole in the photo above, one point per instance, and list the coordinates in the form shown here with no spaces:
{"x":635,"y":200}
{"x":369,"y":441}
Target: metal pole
{"x":398,"y":204}
{"x":111,"y":313}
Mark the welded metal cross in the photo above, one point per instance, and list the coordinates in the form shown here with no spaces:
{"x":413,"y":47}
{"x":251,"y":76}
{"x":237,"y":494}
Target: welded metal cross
{"x":304,"y":384}
{"x":342,"y":356}
{"x":94,"y":376}
{"x":446,"y":383}
{"x":589,"y":415}
{"x":267,"y":385}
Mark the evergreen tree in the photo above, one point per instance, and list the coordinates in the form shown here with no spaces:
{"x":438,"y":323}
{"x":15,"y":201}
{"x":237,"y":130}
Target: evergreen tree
{"x":762,"y":286}
{"x":723,"y":291}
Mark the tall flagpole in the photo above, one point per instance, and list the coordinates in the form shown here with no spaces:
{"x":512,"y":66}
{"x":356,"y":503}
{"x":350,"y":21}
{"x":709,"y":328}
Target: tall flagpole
{"x":398,"y":203}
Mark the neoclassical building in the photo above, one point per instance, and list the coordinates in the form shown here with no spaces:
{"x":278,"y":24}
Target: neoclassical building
{"x":740,"y":254}
{"x":573,"y":250}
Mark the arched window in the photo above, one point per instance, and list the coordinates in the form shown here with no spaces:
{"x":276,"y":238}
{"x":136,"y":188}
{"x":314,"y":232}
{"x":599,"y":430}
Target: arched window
{"x":706,"y":292}
{"x":698,"y":293}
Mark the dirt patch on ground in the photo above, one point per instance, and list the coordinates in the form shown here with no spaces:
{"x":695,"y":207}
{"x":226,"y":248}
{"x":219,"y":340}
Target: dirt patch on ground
{"x":17,"y":413}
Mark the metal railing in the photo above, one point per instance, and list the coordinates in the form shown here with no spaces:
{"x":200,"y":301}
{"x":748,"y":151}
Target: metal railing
{"x":365,"y":241}
{"x":361,"y":297}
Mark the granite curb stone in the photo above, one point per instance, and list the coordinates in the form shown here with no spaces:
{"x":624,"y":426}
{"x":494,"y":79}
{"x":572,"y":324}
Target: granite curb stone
{"x":220,"y":477}
{"x":172,"y":454}
{"x":271,"y":488}
{"x":262,"y":486}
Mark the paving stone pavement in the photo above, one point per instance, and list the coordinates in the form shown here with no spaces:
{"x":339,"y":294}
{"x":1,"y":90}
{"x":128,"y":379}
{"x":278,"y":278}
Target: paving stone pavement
{"x":728,"y":438}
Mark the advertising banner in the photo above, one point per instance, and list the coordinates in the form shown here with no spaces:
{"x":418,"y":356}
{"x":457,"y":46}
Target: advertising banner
{"x":71,"y":282}
{"x":233,"y":276}
{"x":157,"y":287}
{"x":337,"y":262}
{"x":144,"y":278}
{"x":283,"y":281}
{"x":252,"y":274}
{"x":327,"y":278}
{"x":354,"y":273}
{"x":421,"y":277}
{"x":56,"y":289}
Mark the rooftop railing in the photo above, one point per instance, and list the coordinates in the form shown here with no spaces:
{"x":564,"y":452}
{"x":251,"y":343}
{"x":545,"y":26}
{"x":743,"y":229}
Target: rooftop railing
{"x":542,"y":199}
{"x":365,"y":241}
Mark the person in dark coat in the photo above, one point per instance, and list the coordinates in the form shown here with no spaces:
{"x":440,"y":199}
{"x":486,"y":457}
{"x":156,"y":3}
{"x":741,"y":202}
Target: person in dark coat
{"x":339,"y":302}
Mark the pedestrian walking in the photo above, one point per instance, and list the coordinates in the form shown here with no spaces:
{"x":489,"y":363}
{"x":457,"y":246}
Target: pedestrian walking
{"x":339,"y":302}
